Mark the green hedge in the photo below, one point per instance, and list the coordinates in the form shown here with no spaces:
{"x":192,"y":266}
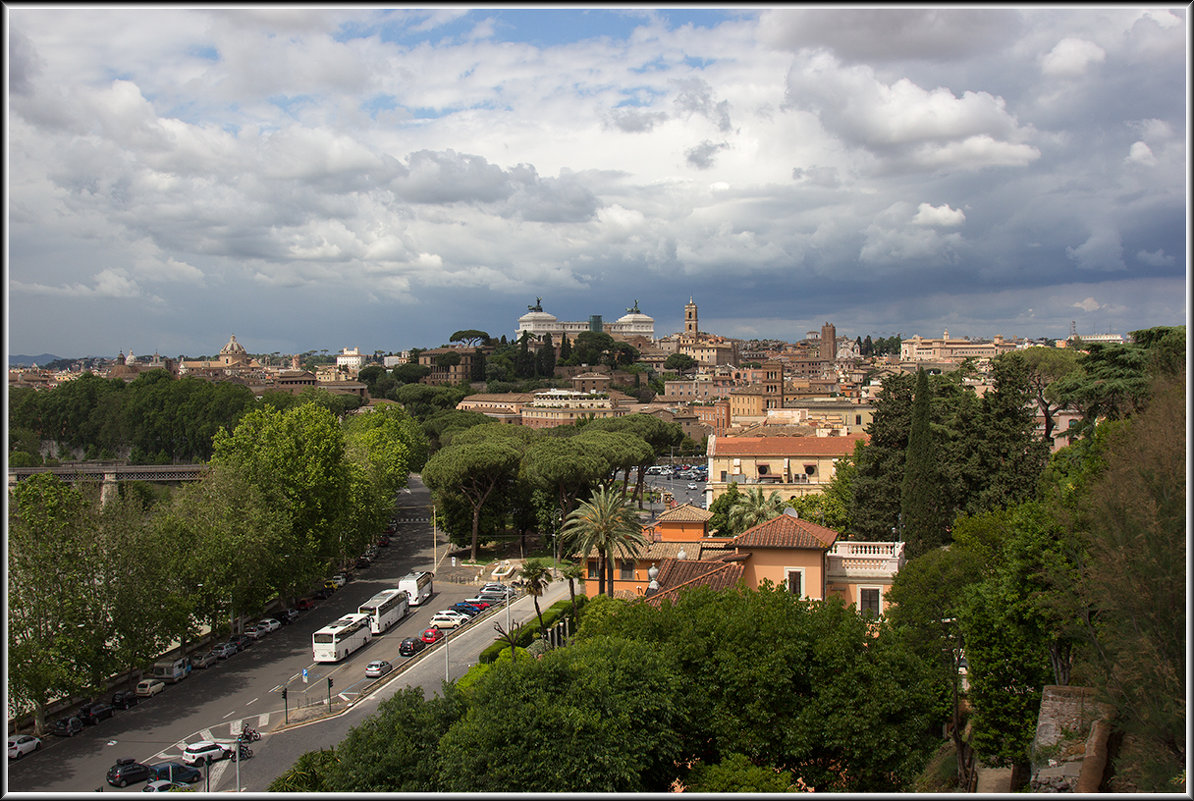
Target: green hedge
{"x":526,"y":633}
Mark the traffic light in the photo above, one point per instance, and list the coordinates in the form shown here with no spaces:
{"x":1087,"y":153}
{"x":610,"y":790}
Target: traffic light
{"x":283,"y":693}
{"x":329,"y":682}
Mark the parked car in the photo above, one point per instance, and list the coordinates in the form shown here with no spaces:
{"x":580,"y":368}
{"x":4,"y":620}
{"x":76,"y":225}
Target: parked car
{"x":163,"y":786}
{"x":432,"y":635}
{"x":21,"y":744}
{"x":174,"y":772}
{"x":692,"y":486}
{"x":95,"y":712}
{"x":204,"y":751}
{"x":205,"y":660}
{"x":123,"y":699}
{"x":411,"y":646}
{"x":147,"y":688}
{"x":126,"y":772}
{"x":271,"y":624}
{"x":288,"y":616}
{"x":468,"y":609}
{"x":340,"y":579}
{"x":242,"y":641}
{"x":496,"y":598}
{"x":224,"y":650}
{"x":67,"y":727}
{"x":363,"y":562}
{"x":478,"y":602}
{"x":449,"y":619}
{"x":303,"y":604}
{"x":377,"y":668}
{"x":326,"y":590}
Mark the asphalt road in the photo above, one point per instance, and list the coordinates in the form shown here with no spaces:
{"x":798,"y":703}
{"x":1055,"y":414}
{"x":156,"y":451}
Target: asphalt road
{"x":245,"y":689}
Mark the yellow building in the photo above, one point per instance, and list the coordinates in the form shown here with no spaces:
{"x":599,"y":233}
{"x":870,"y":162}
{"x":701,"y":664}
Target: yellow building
{"x":794,"y":466}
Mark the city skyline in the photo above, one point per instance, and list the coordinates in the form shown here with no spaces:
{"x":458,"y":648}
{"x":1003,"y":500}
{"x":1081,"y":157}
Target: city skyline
{"x":311,"y":178}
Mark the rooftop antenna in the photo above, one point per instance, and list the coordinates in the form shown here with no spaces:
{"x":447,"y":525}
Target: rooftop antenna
{"x":1073,"y":330}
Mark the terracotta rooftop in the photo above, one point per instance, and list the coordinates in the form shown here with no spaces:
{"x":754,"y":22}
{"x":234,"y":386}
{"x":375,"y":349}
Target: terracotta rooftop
{"x":684,"y":513}
{"x":787,"y":531}
{"x":682,"y":574}
{"x":784,"y":446}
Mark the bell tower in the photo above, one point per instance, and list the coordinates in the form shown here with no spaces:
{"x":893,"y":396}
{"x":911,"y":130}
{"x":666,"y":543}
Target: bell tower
{"x":690,"y":318}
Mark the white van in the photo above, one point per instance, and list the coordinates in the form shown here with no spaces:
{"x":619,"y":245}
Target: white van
{"x":170,"y":672}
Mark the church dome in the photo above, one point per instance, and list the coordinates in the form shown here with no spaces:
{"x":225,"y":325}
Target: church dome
{"x":537,"y":317}
{"x":232,"y":347}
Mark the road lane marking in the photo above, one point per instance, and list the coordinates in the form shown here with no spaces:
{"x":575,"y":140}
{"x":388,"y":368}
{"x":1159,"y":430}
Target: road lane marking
{"x":230,"y":714}
{"x":206,"y":733}
{"x":251,"y":702}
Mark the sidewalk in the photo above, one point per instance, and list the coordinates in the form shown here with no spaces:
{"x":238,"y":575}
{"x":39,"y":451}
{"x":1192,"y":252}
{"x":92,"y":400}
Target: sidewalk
{"x":993,"y":780}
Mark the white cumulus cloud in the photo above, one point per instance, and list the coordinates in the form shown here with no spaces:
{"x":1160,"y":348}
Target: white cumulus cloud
{"x":938,"y":216}
{"x":1071,"y":58}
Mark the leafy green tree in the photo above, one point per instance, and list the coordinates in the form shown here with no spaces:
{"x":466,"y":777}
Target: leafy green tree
{"x":565,"y":348}
{"x":822,"y":508}
{"x":924,"y":510}
{"x":476,"y":471}
{"x":1133,"y":522}
{"x":680,"y":362}
{"x":719,"y":524}
{"x":300,"y":454}
{"x":308,"y":774}
{"x":410,"y":373}
{"x":592,"y":347}
{"x":795,"y":705}
{"x":606,"y":524}
{"x":470,"y":337}
{"x":1045,"y":367}
{"x":545,"y":359}
{"x":51,"y":557}
{"x":603,"y":716}
{"x":381,"y":447}
{"x":423,"y":400}
{"x":563,"y":467}
{"x":735,"y":773}
{"x":395,"y":750}
{"x":875,"y":499}
{"x":753,"y":507}
{"x":537,"y":576}
{"x":925,"y":602}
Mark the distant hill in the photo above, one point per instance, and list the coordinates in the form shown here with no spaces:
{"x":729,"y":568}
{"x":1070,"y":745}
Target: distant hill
{"x":19,"y":360}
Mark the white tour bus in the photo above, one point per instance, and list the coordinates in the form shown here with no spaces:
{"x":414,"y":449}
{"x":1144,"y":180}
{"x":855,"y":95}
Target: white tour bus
{"x":417,"y":586}
{"x":385,"y":609}
{"x":337,"y":640}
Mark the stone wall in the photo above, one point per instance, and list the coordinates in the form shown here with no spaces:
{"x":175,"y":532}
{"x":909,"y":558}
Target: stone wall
{"x":1069,"y":750}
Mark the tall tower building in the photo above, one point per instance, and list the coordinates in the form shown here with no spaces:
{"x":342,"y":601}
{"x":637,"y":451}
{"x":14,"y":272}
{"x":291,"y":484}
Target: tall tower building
{"x":828,"y":350}
{"x":690,"y":318}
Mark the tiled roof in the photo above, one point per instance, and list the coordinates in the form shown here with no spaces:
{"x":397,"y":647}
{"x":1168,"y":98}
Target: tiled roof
{"x":784,"y":446}
{"x":682,"y":574}
{"x":656,"y":550}
{"x":685,"y":513}
{"x":787,"y":531}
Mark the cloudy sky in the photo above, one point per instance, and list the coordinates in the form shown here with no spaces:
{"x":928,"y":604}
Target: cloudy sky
{"x":321,"y":178}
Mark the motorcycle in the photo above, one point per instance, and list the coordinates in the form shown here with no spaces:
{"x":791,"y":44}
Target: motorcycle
{"x":248,"y":735}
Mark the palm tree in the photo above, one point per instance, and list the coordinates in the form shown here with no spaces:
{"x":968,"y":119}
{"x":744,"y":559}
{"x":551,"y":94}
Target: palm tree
{"x":537,"y":575}
{"x":607,"y":524}
{"x":573,"y":571}
{"x":753,"y":508}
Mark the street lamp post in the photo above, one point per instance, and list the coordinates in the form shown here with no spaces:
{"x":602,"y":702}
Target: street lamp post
{"x":447,"y":674}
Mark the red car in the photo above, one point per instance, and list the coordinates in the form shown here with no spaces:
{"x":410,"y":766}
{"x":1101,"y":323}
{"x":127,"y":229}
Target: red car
{"x":431,"y":635}
{"x":305,"y":603}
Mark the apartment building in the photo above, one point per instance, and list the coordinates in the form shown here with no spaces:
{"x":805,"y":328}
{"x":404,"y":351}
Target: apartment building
{"x":793,"y":466}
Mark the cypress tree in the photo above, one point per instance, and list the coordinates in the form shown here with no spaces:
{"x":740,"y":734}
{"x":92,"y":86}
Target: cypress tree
{"x":923,"y":512}
{"x":565,"y":347}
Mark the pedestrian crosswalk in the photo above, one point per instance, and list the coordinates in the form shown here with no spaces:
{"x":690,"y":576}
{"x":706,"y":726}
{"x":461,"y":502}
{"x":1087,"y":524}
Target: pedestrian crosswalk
{"x":225,"y":733}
